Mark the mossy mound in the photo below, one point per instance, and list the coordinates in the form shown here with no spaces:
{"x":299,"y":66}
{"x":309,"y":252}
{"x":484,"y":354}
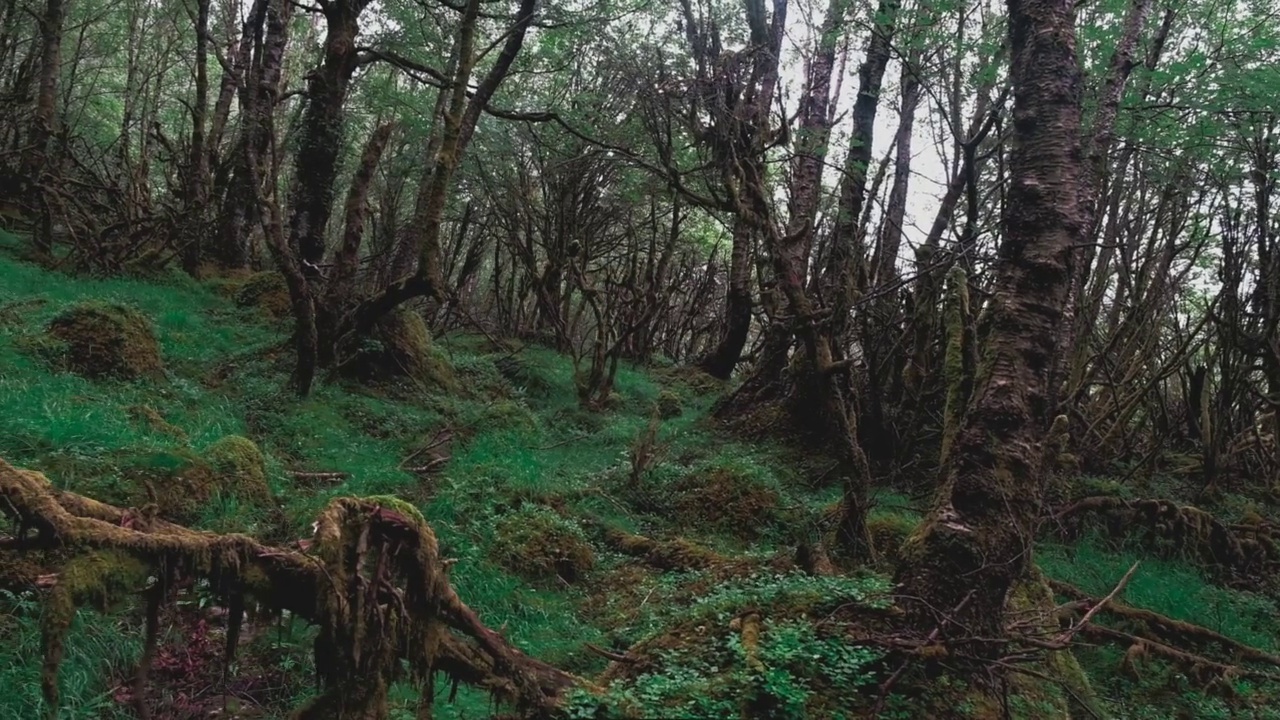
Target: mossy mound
{"x":400,"y":349}
{"x":539,"y":545}
{"x":181,"y":483}
{"x":692,"y":378}
{"x":265,"y":291}
{"x":103,"y":340}
{"x":523,"y":375}
{"x":149,"y":418}
{"x":240,"y":467}
{"x":507,"y":415}
{"x":727,"y":501}
{"x":669,"y":405}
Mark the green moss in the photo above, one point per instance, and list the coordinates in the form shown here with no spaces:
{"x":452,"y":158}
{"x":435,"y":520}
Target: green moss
{"x":240,"y":466}
{"x":392,"y":502}
{"x":265,"y":291}
{"x":889,"y":532}
{"x":669,"y":405}
{"x":401,"y":348}
{"x":539,"y":545}
{"x":98,"y":578}
{"x":183,"y":485}
{"x":726,"y":499}
{"x":1031,"y":601}
{"x":104,"y":340}
{"x":507,"y":415}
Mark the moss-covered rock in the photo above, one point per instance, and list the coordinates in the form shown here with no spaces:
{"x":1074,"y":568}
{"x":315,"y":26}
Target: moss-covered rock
{"x":669,"y":405}
{"x":265,"y":291}
{"x":539,"y":545}
{"x":104,"y":340}
{"x":240,"y":467}
{"x":401,"y":348}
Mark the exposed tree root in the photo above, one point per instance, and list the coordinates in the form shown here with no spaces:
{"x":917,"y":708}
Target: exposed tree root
{"x":1156,"y":627}
{"x":1202,"y":669}
{"x":372,"y":579}
{"x":1243,"y":554}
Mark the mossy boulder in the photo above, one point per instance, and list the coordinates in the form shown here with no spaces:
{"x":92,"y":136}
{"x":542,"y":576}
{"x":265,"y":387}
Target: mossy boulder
{"x":265,"y":291}
{"x":669,"y":405}
{"x":400,"y":349}
{"x":103,"y":340}
{"x":539,"y":545}
{"x":726,"y":500}
{"x":240,"y":467}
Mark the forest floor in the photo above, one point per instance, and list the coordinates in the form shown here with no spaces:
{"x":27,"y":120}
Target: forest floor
{"x":640,"y":543}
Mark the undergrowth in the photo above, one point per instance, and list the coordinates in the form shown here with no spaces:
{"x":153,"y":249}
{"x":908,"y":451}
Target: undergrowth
{"x":520,"y":486}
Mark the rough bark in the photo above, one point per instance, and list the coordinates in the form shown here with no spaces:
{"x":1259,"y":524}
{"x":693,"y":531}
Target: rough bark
{"x":977,"y":540}
{"x":260,"y":84}
{"x":44,"y":119}
{"x":845,"y":262}
{"x":722,"y":360}
{"x":323,"y":124}
{"x":341,"y":285}
{"x":1097,"y":150}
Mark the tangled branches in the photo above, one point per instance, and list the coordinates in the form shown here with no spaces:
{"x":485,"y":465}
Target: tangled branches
{"x":372,"y":579}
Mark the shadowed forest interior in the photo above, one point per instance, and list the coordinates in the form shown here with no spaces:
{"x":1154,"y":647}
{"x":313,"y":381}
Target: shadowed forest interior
{"x":391,"y":359}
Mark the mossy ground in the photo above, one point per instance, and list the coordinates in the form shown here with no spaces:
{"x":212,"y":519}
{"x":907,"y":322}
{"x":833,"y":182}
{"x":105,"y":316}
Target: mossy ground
{"x":531,"y":484}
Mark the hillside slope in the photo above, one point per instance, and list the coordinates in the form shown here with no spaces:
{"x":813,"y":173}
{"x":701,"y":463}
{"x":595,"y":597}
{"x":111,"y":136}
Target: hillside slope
{"x":640,"y":534}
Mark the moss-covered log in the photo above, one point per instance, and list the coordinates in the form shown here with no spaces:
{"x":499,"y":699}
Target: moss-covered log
{"x":372,"y":579}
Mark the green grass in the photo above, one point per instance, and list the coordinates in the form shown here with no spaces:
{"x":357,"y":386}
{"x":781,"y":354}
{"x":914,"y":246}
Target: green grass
{"x":95,"y":653}
{"x":1180,"y":592}
{"x":516,"y":442}
{"x":520,"y":444}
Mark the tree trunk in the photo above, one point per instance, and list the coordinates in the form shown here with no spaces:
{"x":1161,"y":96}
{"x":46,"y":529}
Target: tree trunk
{"x":961,"y":562}
{"x":721,"y":361}
{"x":321,"y":138}
{"x":261,"y":81}
{"x":197,"y":181}
{"x":44,"y":120}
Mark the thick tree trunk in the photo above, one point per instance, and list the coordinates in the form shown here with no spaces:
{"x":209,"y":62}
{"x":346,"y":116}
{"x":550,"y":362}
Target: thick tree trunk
{"x":960,"y":564}
{"x":197,"y":181}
